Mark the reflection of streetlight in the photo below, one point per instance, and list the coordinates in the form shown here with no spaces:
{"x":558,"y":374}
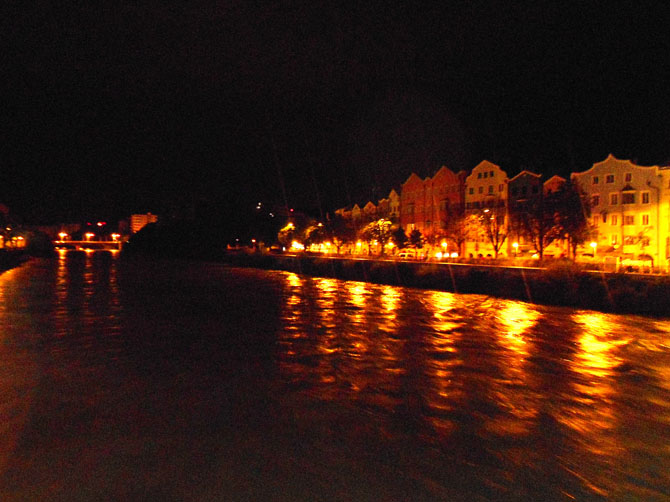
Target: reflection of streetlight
{"x":515,"y":245}
{"x":594,"y":245}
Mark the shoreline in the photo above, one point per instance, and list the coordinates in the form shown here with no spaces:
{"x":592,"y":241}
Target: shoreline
{"x":560,"y":285}
{"x":11,"y":259}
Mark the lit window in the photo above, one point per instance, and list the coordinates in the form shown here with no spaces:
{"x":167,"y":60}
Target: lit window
{"x":645,"y":219}
{"x":609,"y":178}
{"x":614,"y":199}
{"x":645,"y":197}
{"x":491,"y":174}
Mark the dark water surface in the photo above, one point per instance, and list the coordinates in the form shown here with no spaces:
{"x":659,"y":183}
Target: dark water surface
{"x":140,"y":380}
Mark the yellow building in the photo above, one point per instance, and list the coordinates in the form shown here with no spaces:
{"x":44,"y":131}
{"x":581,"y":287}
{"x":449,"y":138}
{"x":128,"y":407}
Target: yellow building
{"x":629,"y":211}
{"x":486,"y":192}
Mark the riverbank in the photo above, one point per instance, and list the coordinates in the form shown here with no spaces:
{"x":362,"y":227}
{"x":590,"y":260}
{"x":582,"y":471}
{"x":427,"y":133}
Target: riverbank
{"x":563,"y":284}
{"x":11,"y":259}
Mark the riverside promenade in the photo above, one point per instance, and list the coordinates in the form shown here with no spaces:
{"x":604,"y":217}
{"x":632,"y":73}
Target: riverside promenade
{"x":562,"y":283}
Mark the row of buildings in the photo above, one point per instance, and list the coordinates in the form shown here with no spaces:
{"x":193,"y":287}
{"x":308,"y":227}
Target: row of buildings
{"x":629,"y":206}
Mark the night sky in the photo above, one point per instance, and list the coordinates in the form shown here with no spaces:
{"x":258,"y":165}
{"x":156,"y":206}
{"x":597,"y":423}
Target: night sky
{"x":141,"y":106}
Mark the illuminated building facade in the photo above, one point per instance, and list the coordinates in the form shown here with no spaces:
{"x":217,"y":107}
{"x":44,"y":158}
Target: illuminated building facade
{"x":630,"y":209}
{"x":486,"y":193}
{"x":138,"y":221}
{"x":426,"y":205}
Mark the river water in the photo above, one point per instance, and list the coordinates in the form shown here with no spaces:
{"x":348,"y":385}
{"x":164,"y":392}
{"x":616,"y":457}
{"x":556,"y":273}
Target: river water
{"x":166,"y":380}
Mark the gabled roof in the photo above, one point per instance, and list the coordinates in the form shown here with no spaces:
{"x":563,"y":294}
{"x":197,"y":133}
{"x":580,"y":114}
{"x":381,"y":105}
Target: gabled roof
{"x":525,"y":173}
{"x":485,"y":164}
{"x":412,"y":177}
{"x":555,"y":177}
{"x":610,"y":159}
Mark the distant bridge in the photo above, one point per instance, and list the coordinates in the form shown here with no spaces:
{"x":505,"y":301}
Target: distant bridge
{"x":88,"y":244}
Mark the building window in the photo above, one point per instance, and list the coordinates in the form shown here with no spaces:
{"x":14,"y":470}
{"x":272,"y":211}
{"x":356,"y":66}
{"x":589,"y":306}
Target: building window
{"x":628,"y":198}
{"x":479,"y":176}
{"x":604,"y":215}
{"x":595,"y":180}
{"x":481,"y":189}
{"x":595,"y":200}
{"x":614,"y":239}
{"x":628,"y":177}
{"x":645,"y":219}
{"x":629,"y":219}
{"x":491,"y":174}
{"x":490,"y":188}
{"x":501,"y":187}
{"x":471,"y":191}
{"x":614,"y":199}
{"x":535,"y":189}
{"x":609,"y":178}
{"x":614,"y":220}
{"x":645,"y":197}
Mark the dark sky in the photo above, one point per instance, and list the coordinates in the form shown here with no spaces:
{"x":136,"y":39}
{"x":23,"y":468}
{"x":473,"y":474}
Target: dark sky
{"x":140,"y":106}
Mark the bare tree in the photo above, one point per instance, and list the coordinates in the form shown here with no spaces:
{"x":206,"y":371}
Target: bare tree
{"x":494,"y":225}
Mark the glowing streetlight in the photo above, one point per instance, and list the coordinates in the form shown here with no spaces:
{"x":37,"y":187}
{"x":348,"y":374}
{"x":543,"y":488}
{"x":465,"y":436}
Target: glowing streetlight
{"x":594,"y":245}
{"x":89,"y":235}
{"x":115,"y":237}
{"x":62,"y":235}
{"x":515,"y":245}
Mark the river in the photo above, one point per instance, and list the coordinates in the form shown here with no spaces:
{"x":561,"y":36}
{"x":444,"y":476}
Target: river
{"x":131,"y":379}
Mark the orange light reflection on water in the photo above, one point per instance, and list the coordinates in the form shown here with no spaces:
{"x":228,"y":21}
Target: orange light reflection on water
{"x":513,"y":391}
{"x":592,"y":416}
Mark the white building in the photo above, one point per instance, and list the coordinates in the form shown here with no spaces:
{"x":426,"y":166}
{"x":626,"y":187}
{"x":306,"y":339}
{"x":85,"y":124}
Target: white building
{"x":629,"y":209}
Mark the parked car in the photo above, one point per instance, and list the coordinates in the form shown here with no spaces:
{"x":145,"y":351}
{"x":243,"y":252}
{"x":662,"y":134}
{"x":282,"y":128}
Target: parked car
{"x":407,"y":254}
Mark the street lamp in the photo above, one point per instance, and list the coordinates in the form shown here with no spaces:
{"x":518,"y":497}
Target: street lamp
{"x":89,"y":235}
{"x":62,"y":235}
{"x":515,"y":245}
{"x":594,"y":245}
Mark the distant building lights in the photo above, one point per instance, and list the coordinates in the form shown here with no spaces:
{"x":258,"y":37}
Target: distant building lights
{"x":62,"y":236}
{"x":454,"y":255}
